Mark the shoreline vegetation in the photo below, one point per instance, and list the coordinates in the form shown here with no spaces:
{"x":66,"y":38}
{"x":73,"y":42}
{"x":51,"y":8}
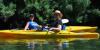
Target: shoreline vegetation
{"x":14,"y":13}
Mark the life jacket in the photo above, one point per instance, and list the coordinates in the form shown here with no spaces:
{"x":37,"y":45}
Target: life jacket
{"x":57,"y":22}
{"x":63,"y":27}
{"x":33,"y":25}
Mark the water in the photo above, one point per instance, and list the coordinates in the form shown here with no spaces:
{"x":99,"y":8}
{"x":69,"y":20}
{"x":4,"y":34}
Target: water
{"x":29,"y":44}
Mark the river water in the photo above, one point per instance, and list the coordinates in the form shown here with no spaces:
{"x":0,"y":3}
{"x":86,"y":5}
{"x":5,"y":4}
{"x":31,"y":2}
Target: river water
{"x":29,"y":44}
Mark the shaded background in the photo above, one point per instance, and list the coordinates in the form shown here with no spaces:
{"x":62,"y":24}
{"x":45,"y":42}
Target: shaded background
{"x":14,"y":13}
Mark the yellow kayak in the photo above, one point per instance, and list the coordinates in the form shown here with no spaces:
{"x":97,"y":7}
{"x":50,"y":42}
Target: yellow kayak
{"x":70,"y":34}
{"x":31,"y":34}
{"x":81,"y":29}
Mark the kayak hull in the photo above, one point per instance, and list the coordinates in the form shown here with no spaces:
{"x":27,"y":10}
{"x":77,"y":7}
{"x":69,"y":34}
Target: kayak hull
{"x":31,"y":34}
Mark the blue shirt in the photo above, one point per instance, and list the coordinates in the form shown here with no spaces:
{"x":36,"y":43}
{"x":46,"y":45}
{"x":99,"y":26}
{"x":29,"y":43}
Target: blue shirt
{"x":33,"y":25}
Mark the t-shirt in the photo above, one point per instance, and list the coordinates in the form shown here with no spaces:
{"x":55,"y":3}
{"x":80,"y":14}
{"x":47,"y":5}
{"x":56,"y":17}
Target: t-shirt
{"x":33,"y":25}
{"x":55,"y":23}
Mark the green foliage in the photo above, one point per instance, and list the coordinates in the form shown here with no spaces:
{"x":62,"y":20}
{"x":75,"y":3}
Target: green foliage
{"x":43,"y":9}
{"x":96,"y":12}
{"x":79,"y":19}
{"x":7,"y":11}
{"x":79,"y":8}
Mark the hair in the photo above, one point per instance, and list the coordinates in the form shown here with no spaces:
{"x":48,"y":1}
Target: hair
{"x":30,"y":16}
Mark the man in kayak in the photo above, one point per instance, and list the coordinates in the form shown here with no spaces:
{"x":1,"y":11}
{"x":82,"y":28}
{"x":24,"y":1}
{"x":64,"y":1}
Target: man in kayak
{"x":31,"y":24}
{"x":55,"y":21}
{"x":56,"y":25}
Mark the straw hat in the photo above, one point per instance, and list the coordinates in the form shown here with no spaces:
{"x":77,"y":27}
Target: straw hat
{"x":57,"y":11}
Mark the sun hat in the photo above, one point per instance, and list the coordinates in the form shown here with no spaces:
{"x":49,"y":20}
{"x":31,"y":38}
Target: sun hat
{"x":57,"y":11}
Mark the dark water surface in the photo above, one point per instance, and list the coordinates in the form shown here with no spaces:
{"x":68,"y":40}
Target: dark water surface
{"x":26,"y":44}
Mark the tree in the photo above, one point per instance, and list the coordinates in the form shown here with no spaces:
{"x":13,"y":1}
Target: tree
{"x":7,"y":10}
{"x":80,"y":9}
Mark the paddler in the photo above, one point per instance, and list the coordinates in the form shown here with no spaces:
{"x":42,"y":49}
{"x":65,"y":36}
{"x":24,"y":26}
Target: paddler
{"x":55,"y":22}
{"x":31,"y":24}
{"x":56,"y":25}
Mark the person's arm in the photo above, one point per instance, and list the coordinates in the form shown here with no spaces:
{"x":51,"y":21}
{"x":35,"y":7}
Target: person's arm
{"x":27,"y":25}
{"x":56,"y":29}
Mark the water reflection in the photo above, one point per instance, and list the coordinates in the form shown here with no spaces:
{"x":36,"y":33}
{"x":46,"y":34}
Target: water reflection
{"x":29,"y":44}
{"x":38,"y":44}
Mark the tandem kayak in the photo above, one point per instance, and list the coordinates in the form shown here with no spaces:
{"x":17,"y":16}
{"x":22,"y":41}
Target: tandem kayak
{"x":71,"y":33}
{"x":31,"y":34}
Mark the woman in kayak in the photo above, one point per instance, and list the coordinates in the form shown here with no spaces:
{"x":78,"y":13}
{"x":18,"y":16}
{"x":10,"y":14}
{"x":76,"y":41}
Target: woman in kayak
{"x":55,"y":22}
{"x":31,"y":24}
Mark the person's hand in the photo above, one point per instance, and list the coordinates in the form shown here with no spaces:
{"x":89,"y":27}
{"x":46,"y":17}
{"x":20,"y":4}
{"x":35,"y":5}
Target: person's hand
{"x":40,"y":26}
{"x":51,"y":29}
{"x":54,"y":29}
